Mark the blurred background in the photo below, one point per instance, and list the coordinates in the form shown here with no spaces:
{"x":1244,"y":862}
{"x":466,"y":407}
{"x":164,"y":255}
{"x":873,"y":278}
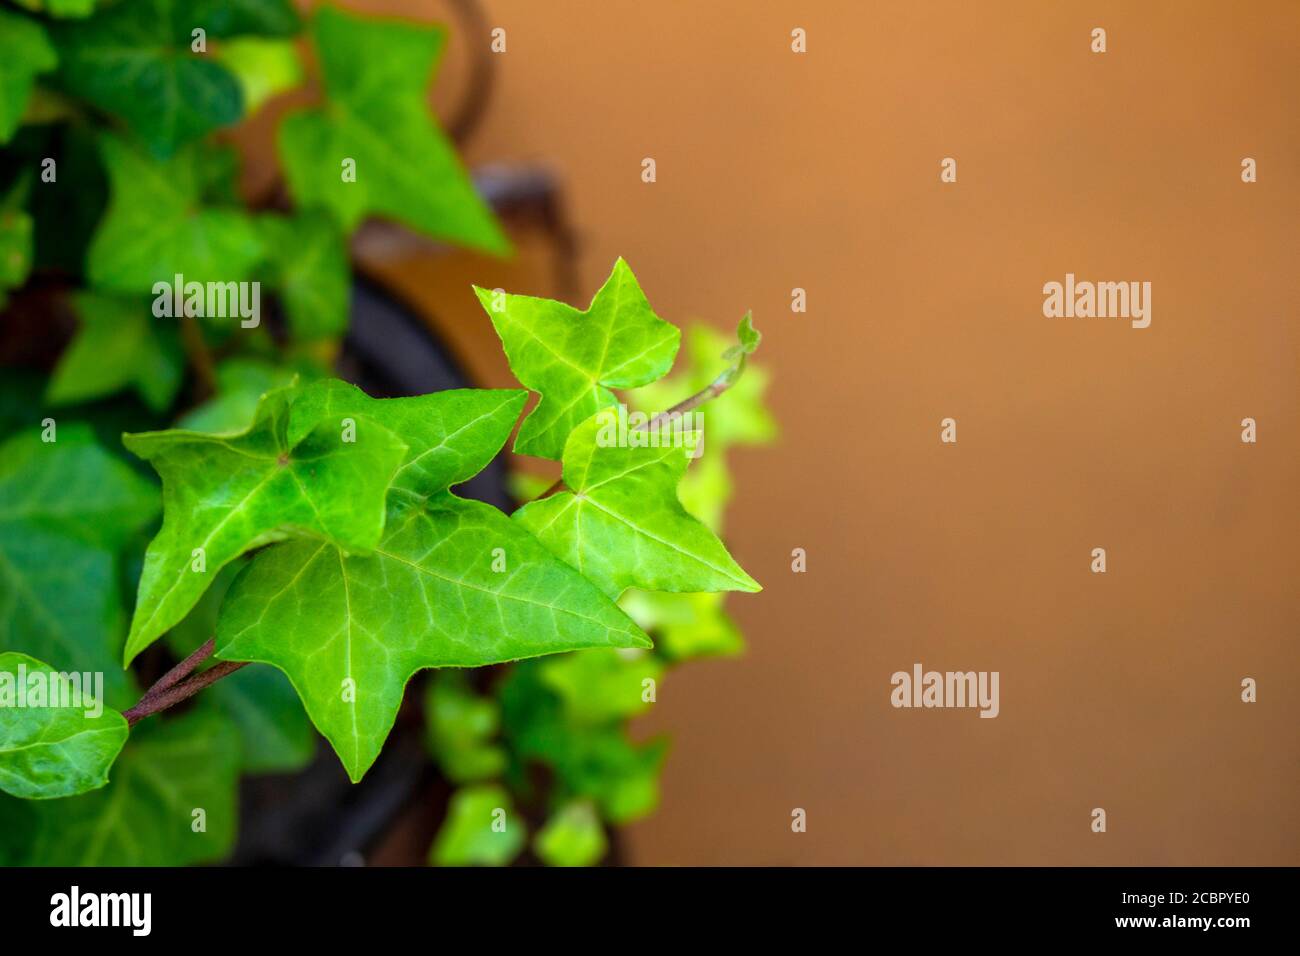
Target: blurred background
{"x":821,"y":171}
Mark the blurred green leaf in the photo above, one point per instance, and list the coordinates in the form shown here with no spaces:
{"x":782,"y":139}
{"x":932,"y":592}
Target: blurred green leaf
{"x":237,"y":18}
{"x":481,"y":829}
{"x":461,"y":728}
{"x":241,"y":383}
{"x":596,"y":761}
{"x":52,"y":749}
{"x":685,"y":626}
{"x":308,"y":265}
{"x":376,"y":74}
{"x":134,"y":60}
{"x":25,"y":52}
{"x":601,"y":685}
{"x":573,"y":836}
{"x":15,"y":250}
{"x":155,"y":229}
{"x":60,"y":8}
{"x":119,"y":345}
{"x":264,"y":67}
{"x":66,"y":510}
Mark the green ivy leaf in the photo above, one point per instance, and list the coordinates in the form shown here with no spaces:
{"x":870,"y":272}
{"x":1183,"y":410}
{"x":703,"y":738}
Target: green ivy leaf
{"x":574,"y":358}
{"x":169,"y":771}
{"x":620,"y":522}
{"x":53,"y":749}
{"x":134,"y":60}
{"x":223,"y":495}
{"x":461,"y":727}
{"x":375,"y":75}
{"x":264,"y":67}
{"x":600,"y":686}
{"x":350,"y":631}
{"x":476,"y":833}
{"x":154,"y":228}
{"x":25,"y":53}
{"x":452,"y":434}
{"x":67,"y":508}
{"x":308,"y":265}
{"x":118,"y":346}
{"x":573,"y":836}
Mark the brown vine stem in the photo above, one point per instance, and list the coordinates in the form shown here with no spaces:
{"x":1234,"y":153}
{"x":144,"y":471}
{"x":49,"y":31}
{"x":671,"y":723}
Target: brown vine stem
{"x":713,"y":390}
{"x":182,"y":670}
{"x":152,"y":703}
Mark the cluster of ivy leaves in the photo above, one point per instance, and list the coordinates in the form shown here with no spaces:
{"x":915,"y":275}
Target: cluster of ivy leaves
{"x":306,"y":525}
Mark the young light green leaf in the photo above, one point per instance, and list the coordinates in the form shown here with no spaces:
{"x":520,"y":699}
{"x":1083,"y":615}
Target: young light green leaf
{"x":172,"y":775}
{"x":736,"y":417}
{"x":118,"y":346}
{"x":599,"y":686}
{"x":155,"y":230}
{"x":350,"y":631}
{"x":57,"y":747}
{"x":264,"y":67}
{"x":574,"y":358}
{"x":685,"y":626}
{"x":135,"y":60}
{"x":307,"y":263}
{"x":481,"y":829}
{"x":67,"y":508}
{"x":747,"y":339}
{"x":226,"y":494}
{"x":25,"y":53}
{"x":374,"y":148}
{"x":620,"y":523}
{"x":573,"y":836}
{"x":452,"y":435}
{"x":461,"y":727}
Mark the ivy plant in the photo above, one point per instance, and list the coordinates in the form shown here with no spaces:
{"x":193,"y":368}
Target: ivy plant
{"x":212,"y":550}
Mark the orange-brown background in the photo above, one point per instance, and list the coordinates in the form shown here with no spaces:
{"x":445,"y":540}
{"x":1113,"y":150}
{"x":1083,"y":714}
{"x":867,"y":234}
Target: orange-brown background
{"x":821,"y":171}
